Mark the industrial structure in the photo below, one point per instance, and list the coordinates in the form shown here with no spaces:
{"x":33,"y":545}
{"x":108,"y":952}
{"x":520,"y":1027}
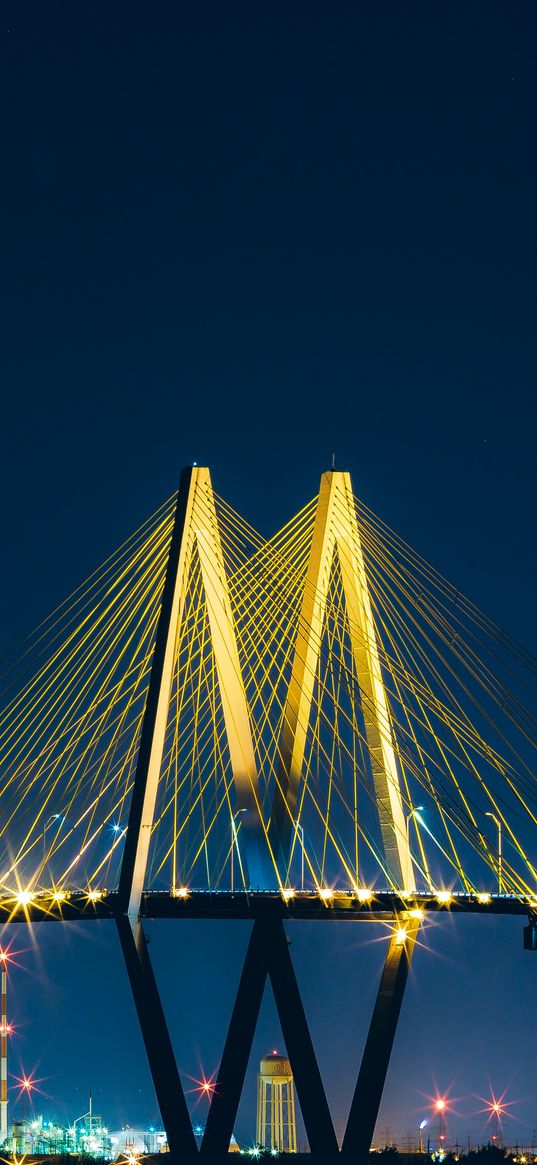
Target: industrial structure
{"x":312,"y":726}
{"x":86,"y":1136}
{"x":276,"y":1119}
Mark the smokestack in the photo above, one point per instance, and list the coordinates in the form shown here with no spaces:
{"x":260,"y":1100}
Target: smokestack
{"x":3,"y":1053}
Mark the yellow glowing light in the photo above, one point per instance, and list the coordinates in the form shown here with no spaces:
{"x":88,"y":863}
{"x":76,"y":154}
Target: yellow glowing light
{"x":24,"y":897}
{"x":400,"y":935}
{"x":182,"y":892}
{"x":440,"y":1104}
{"x":417,"y":913}
{"x":484,"y":898}
{"x":363,"y":894}
{"x":325,"y":893}
{"x":288,"y":893}
{"x":59,"y":896}
{"x":94,"y":895}
{"x":443,"y":896}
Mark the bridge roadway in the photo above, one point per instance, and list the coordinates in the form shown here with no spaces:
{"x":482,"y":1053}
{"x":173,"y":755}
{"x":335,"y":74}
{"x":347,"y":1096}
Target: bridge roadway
{"x":336,"y":905}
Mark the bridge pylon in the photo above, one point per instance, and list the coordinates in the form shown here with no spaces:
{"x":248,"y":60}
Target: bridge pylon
{"x":336,"y":534}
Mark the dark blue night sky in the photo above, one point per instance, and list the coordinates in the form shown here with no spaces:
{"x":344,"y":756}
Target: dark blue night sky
{"x":252,"y":236}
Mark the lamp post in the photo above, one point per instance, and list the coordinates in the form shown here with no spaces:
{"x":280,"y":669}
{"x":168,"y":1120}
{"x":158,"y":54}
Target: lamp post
{"x":234,"y":842}
{"x":300,"y":830}
{"x":409,"y":816}
{"x":53,"y":817}
{"x":498,"y":824}
{"x":422,"y":1126}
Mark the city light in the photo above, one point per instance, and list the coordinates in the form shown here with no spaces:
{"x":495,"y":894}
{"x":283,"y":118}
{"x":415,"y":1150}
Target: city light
{"x":363,"y":894}
{"x":287,"y":893}
{"x":325,"y":893}
{"x":59,"y":896}
{"x":94,"y":895}
{"x":416,"y":913}
{"x":181,"y":892}
{"x":443,"y":897}
{"x":484,"y":898}
{"x":400,"y":935}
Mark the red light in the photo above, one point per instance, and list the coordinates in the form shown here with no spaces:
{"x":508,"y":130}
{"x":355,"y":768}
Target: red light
{"x":496,"y":1107}
{"x":27,"y":1084}
{"x":204,"y":1087}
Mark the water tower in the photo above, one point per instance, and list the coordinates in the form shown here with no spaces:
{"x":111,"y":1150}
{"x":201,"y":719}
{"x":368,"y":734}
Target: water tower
{"x":276,"y":1121}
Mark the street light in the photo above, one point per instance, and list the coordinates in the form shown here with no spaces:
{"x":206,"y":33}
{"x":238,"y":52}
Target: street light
{"x":300,"y":830}
{"x":409,"y":816}
{"x":441,"y":1109}
{"x":423,"y":1125}
{"x":498,"y":824}
{"x":235,"y":842}
{"x":413,"y":812}
{"x":53,"y":817}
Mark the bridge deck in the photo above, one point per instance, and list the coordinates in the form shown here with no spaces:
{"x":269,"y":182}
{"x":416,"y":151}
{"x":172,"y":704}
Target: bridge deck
{"x":383,"y":905}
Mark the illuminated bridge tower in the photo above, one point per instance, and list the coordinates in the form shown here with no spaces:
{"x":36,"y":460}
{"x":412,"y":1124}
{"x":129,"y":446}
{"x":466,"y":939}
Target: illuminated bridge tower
{"x":276,"y":1121}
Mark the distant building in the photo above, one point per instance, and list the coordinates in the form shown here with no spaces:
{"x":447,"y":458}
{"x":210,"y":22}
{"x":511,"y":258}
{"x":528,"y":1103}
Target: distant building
{"x":131,"y":1140}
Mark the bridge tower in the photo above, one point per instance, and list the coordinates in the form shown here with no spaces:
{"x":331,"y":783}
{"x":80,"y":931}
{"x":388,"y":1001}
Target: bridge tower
{"x":276,"y":1120}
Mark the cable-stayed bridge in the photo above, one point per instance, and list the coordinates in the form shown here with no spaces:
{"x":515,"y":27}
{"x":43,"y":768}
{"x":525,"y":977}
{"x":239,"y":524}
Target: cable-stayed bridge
{"x":317,"y":725}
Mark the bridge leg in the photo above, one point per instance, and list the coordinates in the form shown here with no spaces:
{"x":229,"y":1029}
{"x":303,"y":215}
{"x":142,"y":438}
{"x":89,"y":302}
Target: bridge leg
{"x":311,"y":1094}
{"x":225,"y":1101}
{"x":158,"y":1045}
{"x":376,"y":1058}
